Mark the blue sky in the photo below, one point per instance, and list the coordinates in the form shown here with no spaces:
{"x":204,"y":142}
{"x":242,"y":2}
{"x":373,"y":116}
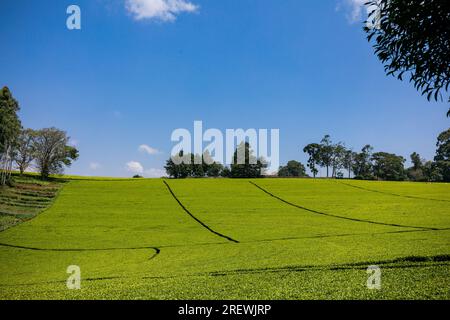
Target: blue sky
{"x":138,"y":69}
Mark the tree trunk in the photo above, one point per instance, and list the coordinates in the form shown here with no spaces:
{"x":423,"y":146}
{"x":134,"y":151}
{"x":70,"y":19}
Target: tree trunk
{"x":5,"y":166}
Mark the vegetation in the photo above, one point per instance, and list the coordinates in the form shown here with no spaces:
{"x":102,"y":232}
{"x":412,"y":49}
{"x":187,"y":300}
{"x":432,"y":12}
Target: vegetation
{"x":313,"y":150}
{"x":25,"y":199}
{"x":195,"y":166}
{"x":192,"y":166}
{"x":157,"y":251}
{"x":250,"y":166}
{"x":47,"y":149}
{"x":388,"y":166}
{"x":442,"y":157}
{"x":52,"y":151}
{"x":413,"y":39}
{"x":9,"y":131}
{"x":292,"y":169}
{"x":24,"y":153}
{"x":367,"y":165}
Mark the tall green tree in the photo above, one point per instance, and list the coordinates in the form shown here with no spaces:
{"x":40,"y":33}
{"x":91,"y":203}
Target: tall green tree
{"x":10,"y":127}
{"x":337,"y":158}
{"x":197,"y":165}
{"x":442,"y":157}
{"x":52,"y":152}
{"x":292,"y":169}
{"x":432,"y":172}
{"x":362,"y":165}
{"x":388,"y":166}
{"x":25,"y":151}
{"x":178,"y":169}
{"x":245,"y":164}
{"x":413,"y":38}
{"x":416,"y":161}
{"x":313,"y":151}
{"x":211,"y":167}
{"x":326,"y":153}
{"x":347,"y":161}
{"x":416,"y":172}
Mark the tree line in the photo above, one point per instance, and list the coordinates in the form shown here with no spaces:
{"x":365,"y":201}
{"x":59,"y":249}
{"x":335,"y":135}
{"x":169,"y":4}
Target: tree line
{"x":200,"y":166}
{"x":45,"y":150}
{"x":338,"y":161}
{"x":369,"y":165}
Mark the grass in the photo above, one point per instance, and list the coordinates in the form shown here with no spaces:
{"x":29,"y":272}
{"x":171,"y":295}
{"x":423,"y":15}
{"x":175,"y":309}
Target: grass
{"x":27,"y":198}
{"x":296,"y":239}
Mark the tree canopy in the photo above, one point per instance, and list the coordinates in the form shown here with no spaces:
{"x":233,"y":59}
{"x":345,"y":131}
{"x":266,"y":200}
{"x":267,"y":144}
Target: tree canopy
{"x":292,"y":169}
{"x":10,"y":127}
{"x":388,"y":166}
{"x":52,"y":151}
{"x":249,"y":166}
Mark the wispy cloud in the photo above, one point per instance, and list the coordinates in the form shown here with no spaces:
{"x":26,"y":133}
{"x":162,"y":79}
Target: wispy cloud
{"x":149,"y":150}
{"x":354,"y":9}
{"x":94,"y":166}
{"x":162,"y":10}
{"x":135,"y":167}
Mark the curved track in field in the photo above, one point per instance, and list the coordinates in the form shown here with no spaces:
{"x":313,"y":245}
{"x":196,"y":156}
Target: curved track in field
{"x":196,"y":219}
{"x":337,"y":216}
{"x":157,"y":250}
{"x":392,"y":194}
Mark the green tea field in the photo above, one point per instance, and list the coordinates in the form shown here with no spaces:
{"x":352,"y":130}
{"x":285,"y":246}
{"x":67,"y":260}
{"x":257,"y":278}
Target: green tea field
{"x":233,"y":239}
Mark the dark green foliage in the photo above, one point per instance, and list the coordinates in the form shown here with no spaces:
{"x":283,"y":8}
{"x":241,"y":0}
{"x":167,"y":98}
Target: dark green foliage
{"x":413,"y":39}
{"x":10,"y":127}
{"x":214,"y":170}
{"x":388,"y":166}
{"x":226,"y":173}
{"x":347,"y":161}
{"x":292,"y":169}
{"x":362,"y":166}
{"x":248,"y":167}
{"x":193,"y":166}
{"x":24,"y":152}
{"x":432,"y":172}
{"x":326,"y":153}
{"x":417,"y":172}
{"x":337,"y":158}
{"x":179,"y":170}
{"x":313,"y":150}
{"x":443,"y":146}
{"x":442,"y":157}
{"x":52,"y":151}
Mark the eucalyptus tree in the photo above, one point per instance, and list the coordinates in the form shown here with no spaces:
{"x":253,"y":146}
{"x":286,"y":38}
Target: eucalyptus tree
{"x":313,"y":150}
{"x":25,"y":151}
{"x":52,"y":152}
{"x":10,"y":127}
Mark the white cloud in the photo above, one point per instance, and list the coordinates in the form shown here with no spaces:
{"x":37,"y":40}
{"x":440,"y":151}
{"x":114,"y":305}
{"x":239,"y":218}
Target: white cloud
{"x":147,"y":149}
{"x":163,"y":10}
{"x":94,"y":166}
{"x":355,"y":9}
{"x":135,"y":167}
{"x":155,"y":173}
